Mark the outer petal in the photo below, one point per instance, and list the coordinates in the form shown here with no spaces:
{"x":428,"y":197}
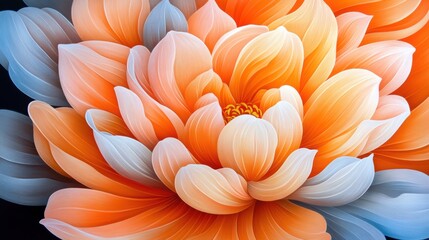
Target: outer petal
{"x":390,"y":60}
{"x":89,"y":71}
{"x":261,"y":67}
{"x":220,"y":191}
{"x":351,"y":30}
{"x":341,"y":182}
{"x":247,"y":145}
{"x":209,"y":23}
{"x":316,"y":25}
{"x":288,"y":178}
{"x":62,"y":6}
{"x":24,"y":177}
{"x":397,"y":203}
{"x":173,"y":64}
{"x":28,"y":49}
{"x":110,"y":20}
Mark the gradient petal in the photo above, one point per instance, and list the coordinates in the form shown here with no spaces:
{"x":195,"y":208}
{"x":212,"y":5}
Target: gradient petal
{"x":284,"y":93}
{"x":62,"y":6}
{"x":351,"y":30}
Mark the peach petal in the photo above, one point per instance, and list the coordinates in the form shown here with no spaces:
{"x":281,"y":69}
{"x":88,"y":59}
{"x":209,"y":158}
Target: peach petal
{"x":261,"y":67}
{"x":289,"y":177}
{"x":229,"y":47}
{"x":284,"y":93}
{"x":355,"y":89}
{"x":137,"y":63}
{"x":109,"y":123}
{"x":288,"y":125}
{"x":351,"y":30}
{"x":391,"y":60}
{"x":89,"y":72}
{"x":168,"y":157}
{"x":210,"y":191}
{"x":316,"y":25}
{"x":247,"y":145}
{"x":206,"y":100}
{"x":173,"y":64}
{"x":103,"y":20}
{"x":209,"y":23}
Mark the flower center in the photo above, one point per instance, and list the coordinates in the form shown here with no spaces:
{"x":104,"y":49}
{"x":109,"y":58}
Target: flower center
{"x":233,"y":110}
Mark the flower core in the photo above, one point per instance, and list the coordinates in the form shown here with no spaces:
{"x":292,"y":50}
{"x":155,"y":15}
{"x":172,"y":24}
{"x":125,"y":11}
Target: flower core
{"x":232,"y":111}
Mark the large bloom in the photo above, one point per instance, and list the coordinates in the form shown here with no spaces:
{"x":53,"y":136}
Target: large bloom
{"x":230,"y":124}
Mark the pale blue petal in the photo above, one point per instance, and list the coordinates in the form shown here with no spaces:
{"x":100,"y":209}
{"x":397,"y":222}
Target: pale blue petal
{"x":187,"y":7}
{"x":163,"y":18}
{"x":28,"y":50}
{"x":24,"y":177}
{"x":397,"y":204}
{"x":62,"y":6}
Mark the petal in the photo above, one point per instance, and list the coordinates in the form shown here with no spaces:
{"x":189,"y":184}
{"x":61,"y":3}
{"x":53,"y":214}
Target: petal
{"x":113,"y":21}
{"x":202,"y":132}
{"x":390,"y":60}
{"x":351,"y":30}
{"x":397,"y":203}
{"x":343,"y":181}
{"x":173,"y":64}
{"x":285,"y":220}
{"x":287,"y":123}
{"x":247,"y":145}
{"x":316,"y":25}
{"x":108,"y":122}
{"x":209,"y":23}
{"x":259,"y":66}
{"x":28,"y":46}
{"x":355,"y":89}
{"x":63,"y":6}
{"x":284,"y":93}
{"x":229,"y":47}
{"x":125,"y":155}
{"x":88,"y":73}
{"x":187,"y":7}
{"x":212,"y":191}
{"x":161,"y":20}
{"x":288,"y":178}
{"x":168,"y":157}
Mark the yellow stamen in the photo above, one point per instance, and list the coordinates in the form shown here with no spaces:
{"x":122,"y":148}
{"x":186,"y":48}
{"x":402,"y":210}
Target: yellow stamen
{"x":233,"y":110}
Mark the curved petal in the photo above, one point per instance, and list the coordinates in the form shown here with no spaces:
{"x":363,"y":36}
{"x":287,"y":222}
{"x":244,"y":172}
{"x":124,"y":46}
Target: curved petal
{"x":209,"y":23}
{"x":397,"y":203}
{"x":287,"y":122}
{"x":228,"y":49}
{"x":113,"y":21}
{"x":187,"y":7}
{"x":161,"y":20}
{"x":212,"y":191}
{"x":125,"y":155}
{"x":316,"y":25}
{"x":247,"y":145}
{"x":390,"y":60}
{"x":173,"y":64}
{"x":88,"y":73}
{"x":28,"y":50}
{"x":168,"y":157}
{"x":288,"y":178}
{"x":62,"y":6}
{"x":343,"y":181}
{"x":351,"y":30}
{"x":355,"y":89}
{"x":286,"y":220}
{"x":261,"y":67}
{"x":284,"y":93}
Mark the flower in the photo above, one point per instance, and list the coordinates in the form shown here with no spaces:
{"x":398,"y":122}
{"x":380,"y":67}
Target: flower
{"x":246,"y":126}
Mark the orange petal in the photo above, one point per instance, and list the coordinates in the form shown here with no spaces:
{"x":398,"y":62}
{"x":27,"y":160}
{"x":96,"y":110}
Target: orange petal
{"x":339,"y":105}
{"x":229,"y":46}
{"x":390,"y":60}
{"x":108,"y":122}
{"x":89,"y":71}
{"x":202,"y":132}
{"x":316,"y":25}
{"x":137,"y":63}
{"x":212,"y":191}
{"x":168,"y":156}
{"x":284,"y":93}
{"x":259,"y":66}
{"x":173,"y":64}
{"x":247,"y":145}
{"x":285,"y":220}
{"x":289,"y":177}
{"x":209,"y":23}
{"x":351,"y":30}
{"x":121,"y":22}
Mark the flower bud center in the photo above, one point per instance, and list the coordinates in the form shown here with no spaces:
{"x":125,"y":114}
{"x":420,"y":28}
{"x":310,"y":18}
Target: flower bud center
{"x":233,"y":110}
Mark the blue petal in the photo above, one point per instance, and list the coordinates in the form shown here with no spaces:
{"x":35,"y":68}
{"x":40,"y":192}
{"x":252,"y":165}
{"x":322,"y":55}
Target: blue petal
{"x":62,"y":6}
{"x":28,"y":49}
{"x":397,"y":204}
{"x":162,"y":19}
{"x":24,"y":177}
